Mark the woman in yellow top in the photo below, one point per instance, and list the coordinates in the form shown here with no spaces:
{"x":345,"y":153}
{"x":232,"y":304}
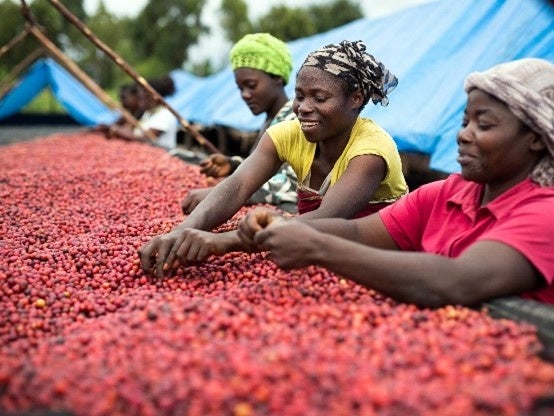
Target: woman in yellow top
{"x":346,"y":166}
{"x":366,"y":138}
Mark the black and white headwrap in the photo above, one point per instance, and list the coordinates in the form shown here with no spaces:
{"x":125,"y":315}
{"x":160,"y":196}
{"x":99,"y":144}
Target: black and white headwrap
{"x":350,"y":62}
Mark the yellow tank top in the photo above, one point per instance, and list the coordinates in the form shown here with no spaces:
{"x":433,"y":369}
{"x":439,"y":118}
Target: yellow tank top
{"x":366,"y":138}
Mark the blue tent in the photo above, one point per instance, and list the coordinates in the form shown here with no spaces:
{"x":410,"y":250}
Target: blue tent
{"x":431,"y":48}
{"x":79,"y":102}
{"x":183,"y":79}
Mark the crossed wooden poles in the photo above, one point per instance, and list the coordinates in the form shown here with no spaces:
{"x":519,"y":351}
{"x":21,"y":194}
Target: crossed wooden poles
{"x":33,"y":29}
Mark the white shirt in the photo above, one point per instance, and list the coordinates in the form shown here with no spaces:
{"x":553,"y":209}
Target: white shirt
{"x":160,"y":118}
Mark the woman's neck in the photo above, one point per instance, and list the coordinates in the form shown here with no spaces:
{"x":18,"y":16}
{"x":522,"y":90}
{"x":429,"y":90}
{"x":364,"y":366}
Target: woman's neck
{"x":277,"y":105}
{"x":494,"y":190}
{"x":331,"y":149}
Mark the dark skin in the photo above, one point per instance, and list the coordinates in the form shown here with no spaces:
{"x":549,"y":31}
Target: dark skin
{"x":263,"y":93}
{"x":129,"y":101}
{"x":327,"y":113}
{"x":126,"y":132}
{"x":495,"y":149}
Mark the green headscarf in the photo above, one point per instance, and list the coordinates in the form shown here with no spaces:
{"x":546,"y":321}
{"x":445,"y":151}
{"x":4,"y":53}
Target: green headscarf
{"x":263,"y":52}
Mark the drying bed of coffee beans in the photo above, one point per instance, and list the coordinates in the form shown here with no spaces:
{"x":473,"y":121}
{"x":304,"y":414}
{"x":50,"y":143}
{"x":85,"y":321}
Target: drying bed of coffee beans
{"x":83,"y":331}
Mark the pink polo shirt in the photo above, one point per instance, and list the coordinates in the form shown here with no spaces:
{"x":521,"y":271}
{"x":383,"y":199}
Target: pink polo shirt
{"x":445,"y":218}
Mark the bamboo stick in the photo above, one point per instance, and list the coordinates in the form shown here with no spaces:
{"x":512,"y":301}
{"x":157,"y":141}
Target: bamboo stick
{"x":18,"y":38}
{"x":133,"y":74}
{"x":6,"y":86}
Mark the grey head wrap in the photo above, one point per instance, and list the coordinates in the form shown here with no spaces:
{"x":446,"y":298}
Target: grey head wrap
{"x":526,"y":86}
{"x":350,"y":62}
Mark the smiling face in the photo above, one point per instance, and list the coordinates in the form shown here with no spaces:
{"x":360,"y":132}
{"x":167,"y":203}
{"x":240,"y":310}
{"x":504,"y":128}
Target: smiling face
{"x":494,"y":146}
{"x":323,"y":106}
{"x":259,"y":90}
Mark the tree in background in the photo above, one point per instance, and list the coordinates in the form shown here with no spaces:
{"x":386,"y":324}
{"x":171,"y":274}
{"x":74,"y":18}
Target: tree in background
{"x":93,"y":61}
{"x":335,"y":14}
{"x":235,"y":22}
{"x":58,"y":30}
{"x":164,"y":31}
{"x":287,"y":23}
{"x":11,"y":12}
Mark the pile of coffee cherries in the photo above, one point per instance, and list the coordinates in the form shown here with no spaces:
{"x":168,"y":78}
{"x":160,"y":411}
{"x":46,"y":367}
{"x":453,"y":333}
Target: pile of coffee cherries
{"x":85,"y":332}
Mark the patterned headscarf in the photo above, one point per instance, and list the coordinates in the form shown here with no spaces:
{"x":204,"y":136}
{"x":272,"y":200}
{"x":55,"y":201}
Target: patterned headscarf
{"x":350,"y":62}
{"x":526,"y":86}
{"x":263,"y":52}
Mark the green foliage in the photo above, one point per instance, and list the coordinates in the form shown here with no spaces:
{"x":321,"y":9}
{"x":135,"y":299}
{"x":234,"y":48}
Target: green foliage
{"x":156,"y":41}
{"x":12,"y":25}
{"x":234,"y":22}
{"x":335,"y":14}
{"x":62,"y":33}
{"x":153,"y":67}
{"x":44,"y":103}
{"x":165,"y":29}
{"x":112,"y":31}
{"x":202,"y":69}
{"x":288,"y":23}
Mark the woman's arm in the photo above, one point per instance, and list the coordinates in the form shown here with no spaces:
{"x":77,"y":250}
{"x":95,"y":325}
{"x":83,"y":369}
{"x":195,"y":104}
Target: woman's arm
{"x":353,"y":190}
{"x":225,"y":199}
{"x":127,"y":133}
{"x":487,"y":269}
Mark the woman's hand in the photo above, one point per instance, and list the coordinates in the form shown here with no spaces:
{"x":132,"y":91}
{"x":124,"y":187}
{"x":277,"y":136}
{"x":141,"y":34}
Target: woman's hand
{"x":193,"y":198}
{"x":291,"y":244}
{"x":165,"y":253}
{"x":216,"y":165}
{"x":157,"y":257}
{"x":254,"y":221}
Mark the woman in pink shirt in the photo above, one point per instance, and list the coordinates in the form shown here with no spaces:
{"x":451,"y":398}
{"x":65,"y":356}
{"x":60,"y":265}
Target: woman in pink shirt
{"x":484,"y":233}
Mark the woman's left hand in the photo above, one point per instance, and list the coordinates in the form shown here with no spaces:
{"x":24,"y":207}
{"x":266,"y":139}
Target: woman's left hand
{"x":291,"y":244}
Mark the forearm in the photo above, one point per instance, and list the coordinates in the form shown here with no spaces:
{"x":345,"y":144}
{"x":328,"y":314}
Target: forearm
{"x":336,"y":226}
{"x":224,"y":200}
{"x":230,"y":241}
{"x":126,"y":134}
{"x":420,"y":278}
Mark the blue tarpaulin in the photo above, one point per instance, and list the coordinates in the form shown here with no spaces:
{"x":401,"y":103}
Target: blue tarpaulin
{"x":79,"y":102}
{"x":431,"y":48}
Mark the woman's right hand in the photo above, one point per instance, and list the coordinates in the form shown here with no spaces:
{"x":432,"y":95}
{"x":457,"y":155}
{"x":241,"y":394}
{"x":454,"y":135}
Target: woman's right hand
{"x":216,"y":166}
{"x":193,"y":198}
{"x":163,"y":254}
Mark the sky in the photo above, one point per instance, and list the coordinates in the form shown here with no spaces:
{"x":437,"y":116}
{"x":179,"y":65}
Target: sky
{"x":213,"y":46}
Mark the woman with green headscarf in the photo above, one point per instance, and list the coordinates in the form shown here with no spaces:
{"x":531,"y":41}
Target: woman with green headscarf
{"x":262,"y":65}
{"x":347,"y":166}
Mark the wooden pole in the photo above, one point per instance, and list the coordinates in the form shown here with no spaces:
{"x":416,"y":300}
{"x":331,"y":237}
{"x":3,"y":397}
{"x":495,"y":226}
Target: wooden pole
{"x":13,"y":42}
{"x":133,"y":74}
{"x":5,"y":86}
